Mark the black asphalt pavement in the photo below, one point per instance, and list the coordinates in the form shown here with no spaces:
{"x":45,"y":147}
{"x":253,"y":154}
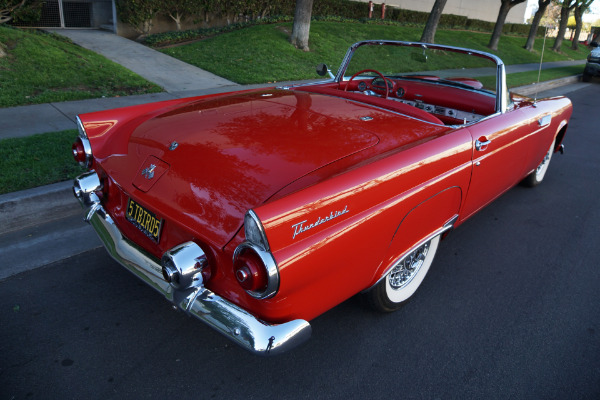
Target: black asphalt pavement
{"x":509,"y":309}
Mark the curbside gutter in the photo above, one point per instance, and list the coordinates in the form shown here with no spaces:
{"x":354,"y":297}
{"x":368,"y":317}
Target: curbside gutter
{"x":30,"y":207}
{"x":46,"y":203}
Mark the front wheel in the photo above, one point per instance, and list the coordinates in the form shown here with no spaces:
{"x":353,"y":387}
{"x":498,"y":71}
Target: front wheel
{"x":403,"y":280}
{"x":536,"y":177}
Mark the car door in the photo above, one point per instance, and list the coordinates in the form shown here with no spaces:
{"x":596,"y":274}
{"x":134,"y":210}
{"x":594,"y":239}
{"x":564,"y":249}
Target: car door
{"x":499,"y":158}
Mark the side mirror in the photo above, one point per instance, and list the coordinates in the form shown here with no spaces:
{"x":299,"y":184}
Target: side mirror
{"x":322,"y":69}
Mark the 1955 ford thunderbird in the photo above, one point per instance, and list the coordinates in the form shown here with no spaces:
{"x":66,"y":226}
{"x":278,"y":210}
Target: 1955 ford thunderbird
{"x":257,"y":211}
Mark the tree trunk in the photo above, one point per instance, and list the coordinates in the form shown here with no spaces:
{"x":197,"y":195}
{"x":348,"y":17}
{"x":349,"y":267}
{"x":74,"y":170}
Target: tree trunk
{"x":428,"y":35}
{"x":504,"y":9}
{"x":535,"y":23}
{"x":562,"y":27}
{"x":177,"y":19}
{"x":301,"y":27}
{"x":579,"y":10}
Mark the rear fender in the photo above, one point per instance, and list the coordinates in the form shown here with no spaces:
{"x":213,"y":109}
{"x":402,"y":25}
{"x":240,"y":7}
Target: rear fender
{"x":433,"y":216}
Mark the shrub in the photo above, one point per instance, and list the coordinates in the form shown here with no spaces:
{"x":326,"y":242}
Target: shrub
{"x":479,"y":25}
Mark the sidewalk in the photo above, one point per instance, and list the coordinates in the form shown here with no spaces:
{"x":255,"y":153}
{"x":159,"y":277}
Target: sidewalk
{"x":167,"y":72}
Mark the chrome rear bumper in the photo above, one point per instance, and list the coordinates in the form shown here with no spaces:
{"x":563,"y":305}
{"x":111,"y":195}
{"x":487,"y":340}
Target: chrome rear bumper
{"x":227,"y":318}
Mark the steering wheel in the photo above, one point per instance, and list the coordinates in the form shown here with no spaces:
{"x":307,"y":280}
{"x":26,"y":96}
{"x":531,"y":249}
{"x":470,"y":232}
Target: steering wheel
{"x":370,"y":70}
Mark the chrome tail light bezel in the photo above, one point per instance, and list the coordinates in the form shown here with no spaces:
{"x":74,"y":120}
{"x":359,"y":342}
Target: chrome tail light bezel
{"x":270,"y":266}
{"x":85,"y":141}
{"x":256,"y":242}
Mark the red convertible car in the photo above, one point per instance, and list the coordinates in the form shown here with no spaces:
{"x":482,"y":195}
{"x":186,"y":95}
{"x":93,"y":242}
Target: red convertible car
{"x":256,"y":211}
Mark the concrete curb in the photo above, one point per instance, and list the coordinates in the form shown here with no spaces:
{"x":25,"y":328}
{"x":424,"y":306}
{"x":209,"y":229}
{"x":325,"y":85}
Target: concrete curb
{"x":529,"y":90}
{"x":33,"y":206}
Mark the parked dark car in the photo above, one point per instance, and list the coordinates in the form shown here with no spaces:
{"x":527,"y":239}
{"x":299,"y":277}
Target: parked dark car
{"x":592,"y":67}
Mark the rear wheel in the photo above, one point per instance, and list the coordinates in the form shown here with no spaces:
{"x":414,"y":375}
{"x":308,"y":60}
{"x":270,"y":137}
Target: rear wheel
{"x":536,"y":177}
{"x":405,"y":277}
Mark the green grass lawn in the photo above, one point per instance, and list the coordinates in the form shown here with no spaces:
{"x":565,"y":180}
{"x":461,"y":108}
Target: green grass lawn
{"x":39,"y":68}
{"x":37,"y":160}
{"x":262,"y":53}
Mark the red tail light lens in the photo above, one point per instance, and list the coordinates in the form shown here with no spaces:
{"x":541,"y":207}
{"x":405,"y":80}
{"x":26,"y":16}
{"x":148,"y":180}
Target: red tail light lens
{"x":82,"y":151}
{"x":78,"y":151}
{"x":250,"y":271}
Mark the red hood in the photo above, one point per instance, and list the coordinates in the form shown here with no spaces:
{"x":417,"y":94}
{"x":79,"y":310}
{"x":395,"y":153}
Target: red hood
{"x":233,"y":153}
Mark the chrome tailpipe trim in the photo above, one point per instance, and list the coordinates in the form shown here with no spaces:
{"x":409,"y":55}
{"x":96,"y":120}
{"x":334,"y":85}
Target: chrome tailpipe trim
{"x":225,"y":317}
{"x":182,"y":266}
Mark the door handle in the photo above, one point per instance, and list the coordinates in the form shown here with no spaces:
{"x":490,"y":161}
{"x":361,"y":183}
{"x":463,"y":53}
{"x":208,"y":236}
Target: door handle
{"x":480,"y":146}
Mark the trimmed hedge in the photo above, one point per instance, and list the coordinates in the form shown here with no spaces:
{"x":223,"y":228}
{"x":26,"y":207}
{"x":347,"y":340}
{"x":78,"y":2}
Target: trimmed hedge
{"x":173,"y":37}
{"x":324,"y":10}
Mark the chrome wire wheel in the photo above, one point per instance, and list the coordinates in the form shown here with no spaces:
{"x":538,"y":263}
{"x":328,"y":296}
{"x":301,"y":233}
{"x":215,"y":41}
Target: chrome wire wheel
{"x":408,"y":267}
{"x":404,"y":277}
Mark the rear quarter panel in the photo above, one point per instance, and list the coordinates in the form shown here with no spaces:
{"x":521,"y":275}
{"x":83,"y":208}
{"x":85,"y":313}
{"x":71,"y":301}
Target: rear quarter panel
{"x":337,"y":257}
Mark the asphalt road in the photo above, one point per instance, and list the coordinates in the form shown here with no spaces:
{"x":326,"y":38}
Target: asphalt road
{"x":509,"y":309}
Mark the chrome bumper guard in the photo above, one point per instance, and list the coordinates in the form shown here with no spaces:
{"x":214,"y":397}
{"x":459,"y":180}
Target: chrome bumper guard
{"x":227,"y":318}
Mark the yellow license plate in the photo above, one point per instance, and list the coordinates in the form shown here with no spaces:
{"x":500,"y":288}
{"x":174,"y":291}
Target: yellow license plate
{"x":146,"y":221}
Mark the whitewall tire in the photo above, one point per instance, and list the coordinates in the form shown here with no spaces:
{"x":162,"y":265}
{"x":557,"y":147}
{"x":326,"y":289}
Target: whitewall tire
{"x":405,"y":277}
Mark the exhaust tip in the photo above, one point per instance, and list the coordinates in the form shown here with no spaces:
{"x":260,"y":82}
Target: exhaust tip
{"x":170,"y":273}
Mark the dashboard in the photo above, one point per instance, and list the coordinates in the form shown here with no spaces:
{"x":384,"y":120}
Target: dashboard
{"x":406,"y":95}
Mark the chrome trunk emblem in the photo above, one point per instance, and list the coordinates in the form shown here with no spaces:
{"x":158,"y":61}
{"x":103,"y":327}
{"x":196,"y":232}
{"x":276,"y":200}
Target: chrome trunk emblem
{"x":173,"y":146}
{"x":148,"y":173}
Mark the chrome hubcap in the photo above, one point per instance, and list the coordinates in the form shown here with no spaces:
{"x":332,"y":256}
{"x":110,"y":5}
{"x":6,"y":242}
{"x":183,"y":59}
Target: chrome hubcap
{"x":407,"y":268}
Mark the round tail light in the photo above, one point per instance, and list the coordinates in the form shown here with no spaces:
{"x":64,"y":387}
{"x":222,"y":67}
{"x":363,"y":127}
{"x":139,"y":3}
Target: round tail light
{"x":250,"y":271}
{"x":79,"y":151}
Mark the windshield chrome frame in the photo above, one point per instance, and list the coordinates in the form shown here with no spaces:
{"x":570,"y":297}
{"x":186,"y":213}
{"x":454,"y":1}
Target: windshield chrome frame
{"x":501,"y":87}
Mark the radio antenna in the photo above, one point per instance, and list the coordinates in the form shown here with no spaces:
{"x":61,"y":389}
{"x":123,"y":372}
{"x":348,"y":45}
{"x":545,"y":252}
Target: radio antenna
{"x":540,"y":68}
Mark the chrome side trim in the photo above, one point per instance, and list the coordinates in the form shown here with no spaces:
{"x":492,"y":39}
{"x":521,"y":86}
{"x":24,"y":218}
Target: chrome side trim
{"x":225,"y":317}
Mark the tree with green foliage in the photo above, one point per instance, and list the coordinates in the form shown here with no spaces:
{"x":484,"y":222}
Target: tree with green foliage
{"x":179,"y":9}
{"x":301,"y":26}
{"x":567,"y":6}
{"x":535,"y":23}
{"x":581,"y":7}
{"x":23,"y":10}
{"x":505,"y":7}
{"x":428,"y":35}
{"x":138,"y":13}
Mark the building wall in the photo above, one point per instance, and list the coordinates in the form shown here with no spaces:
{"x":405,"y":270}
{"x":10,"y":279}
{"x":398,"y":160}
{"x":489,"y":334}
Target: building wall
{"x":486,"y":10}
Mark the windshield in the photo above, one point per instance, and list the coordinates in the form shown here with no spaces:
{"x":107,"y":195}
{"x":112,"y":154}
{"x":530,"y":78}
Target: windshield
{"x":412,"y":61}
